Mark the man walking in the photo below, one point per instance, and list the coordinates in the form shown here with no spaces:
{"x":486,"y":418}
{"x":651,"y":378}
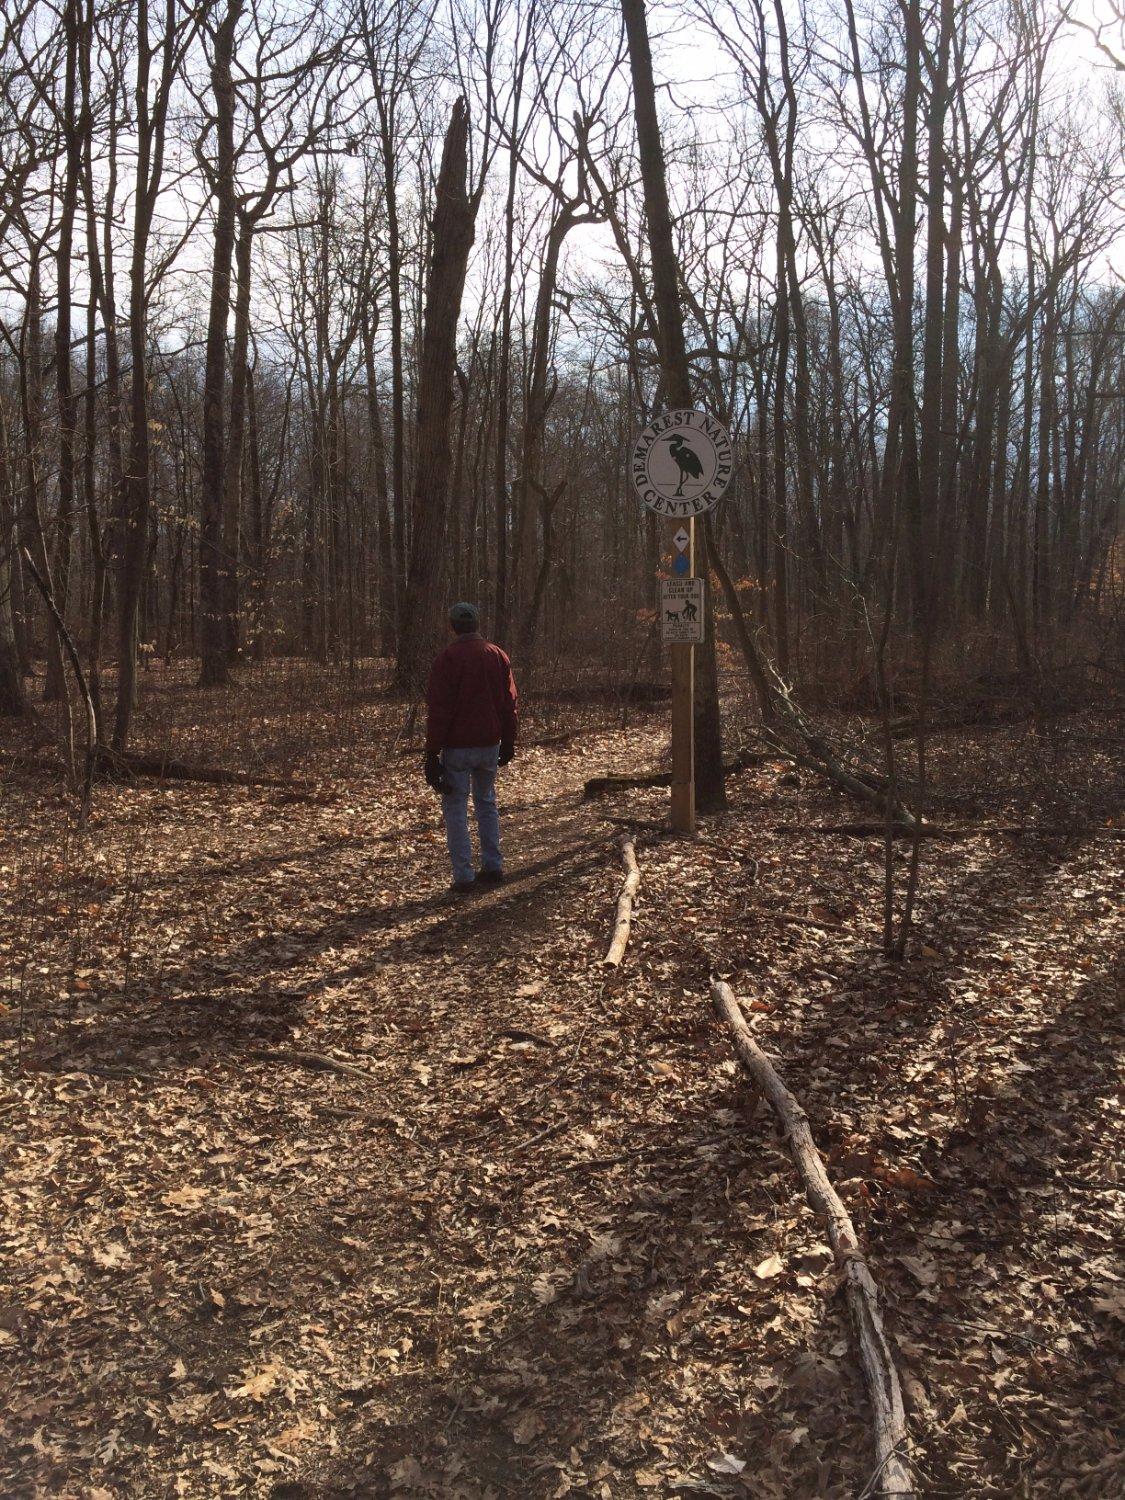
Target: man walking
{"x":471,"y":724}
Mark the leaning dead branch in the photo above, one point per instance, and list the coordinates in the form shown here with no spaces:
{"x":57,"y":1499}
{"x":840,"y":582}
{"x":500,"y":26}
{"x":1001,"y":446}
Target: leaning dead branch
{"x":892,"y":1475}
{"x":784,"y":729}
{"x":795,"y":740}
{"x":624,"y":919}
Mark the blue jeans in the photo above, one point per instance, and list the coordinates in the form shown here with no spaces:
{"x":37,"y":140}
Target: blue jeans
{"x":476,"y":768}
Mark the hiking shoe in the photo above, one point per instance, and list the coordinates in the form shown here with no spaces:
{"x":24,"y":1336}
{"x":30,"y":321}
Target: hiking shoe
{"x":491,"y":877}
{"x":463,"y":887}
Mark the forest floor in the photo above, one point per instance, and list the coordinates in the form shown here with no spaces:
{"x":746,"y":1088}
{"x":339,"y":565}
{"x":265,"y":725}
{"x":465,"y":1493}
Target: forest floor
{"x":543,"y":1242}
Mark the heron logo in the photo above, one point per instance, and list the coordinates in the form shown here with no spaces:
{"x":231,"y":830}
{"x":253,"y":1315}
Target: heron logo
{"x":681,"y":464}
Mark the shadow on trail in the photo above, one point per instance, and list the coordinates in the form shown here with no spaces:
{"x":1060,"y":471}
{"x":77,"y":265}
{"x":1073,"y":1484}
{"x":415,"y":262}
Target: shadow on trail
{"x":590,"y":1366}
{"x":1031,"y":1119}
{"x":210,"y":1009}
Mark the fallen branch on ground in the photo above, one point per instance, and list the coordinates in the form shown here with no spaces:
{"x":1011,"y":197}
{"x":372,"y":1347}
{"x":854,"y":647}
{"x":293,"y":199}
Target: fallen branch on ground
{"x":624,"y":920}
{"x":892,"y":1475}
{"x":783,"y":725}
{"x":934,"y":831}
{"x":638,"y":825}
{"x":28,"y":762}
{"x":566,"y":734}
{"x":904,"y":729}
{"x":876,"y":830}
{"x":804,"y":748}
{"x":802,"y":919}
{"x":319,"y":1061}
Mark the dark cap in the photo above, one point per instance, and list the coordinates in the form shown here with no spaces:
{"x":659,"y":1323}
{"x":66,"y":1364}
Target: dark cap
{"x":464,"y":617}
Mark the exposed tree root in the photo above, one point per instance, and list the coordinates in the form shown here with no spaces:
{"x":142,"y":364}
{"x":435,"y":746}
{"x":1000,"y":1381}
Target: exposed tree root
{"x":892,"y":1474}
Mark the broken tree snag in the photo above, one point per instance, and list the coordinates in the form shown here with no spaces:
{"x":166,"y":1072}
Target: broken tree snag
{"x":624,"y":919}
{"x":892,"y":1473}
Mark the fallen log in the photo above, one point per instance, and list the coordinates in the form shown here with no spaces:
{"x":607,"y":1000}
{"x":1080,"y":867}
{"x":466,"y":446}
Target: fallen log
{"x":560,"y":738}
{"x":876,"y":830}
{"x":564,"y":735}
{"x":624,"y":920}
{"x":28,"y":762}
{"x":904,"y":729}
{"x":892,"y":1474}
{"x":164,"y":769}
{"x":936,"y":831}
{"x":597,"y":786}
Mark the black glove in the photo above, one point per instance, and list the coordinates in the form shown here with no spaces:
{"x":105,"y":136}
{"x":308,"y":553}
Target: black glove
{"x":507,"y":751}
{"x":434,"y":774}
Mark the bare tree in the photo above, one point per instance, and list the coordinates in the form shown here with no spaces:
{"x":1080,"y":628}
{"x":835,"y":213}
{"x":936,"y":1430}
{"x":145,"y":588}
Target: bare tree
{"x":455,"y":211}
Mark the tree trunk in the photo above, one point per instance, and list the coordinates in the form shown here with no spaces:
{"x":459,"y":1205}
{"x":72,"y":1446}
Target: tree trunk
{"x":13,"y":701}
{"x":710,"y":791}
{"x":453,"y":231}
{"x":136,"y":498}
{"x":235,"y":445}
{"x":33,"y":530}
{"x":214,"y":641}
{"x":927,"y":501}
{"x":378,"y":459}
{"x":388,"y":145}
{"x":502,"y":585}
{"x":73,"y":126}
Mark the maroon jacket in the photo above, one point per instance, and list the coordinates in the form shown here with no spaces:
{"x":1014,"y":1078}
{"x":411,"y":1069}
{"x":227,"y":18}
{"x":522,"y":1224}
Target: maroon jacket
{"x":470,"y":697}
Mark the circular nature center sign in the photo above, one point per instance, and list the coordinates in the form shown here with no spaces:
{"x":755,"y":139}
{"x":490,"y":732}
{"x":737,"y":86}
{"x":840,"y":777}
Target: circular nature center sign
{"x":682,"y":463}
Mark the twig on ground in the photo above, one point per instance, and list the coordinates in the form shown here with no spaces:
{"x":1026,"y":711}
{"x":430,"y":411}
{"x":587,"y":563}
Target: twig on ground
{"x":540,"y":1135}
{"x":319,"y":1061}
{"x":883,"y":1490}
{"x":521,"y":1034}
{"x":799,"y":919}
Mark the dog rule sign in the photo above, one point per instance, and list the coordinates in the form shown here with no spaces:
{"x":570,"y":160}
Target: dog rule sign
{"x":680,"y":606}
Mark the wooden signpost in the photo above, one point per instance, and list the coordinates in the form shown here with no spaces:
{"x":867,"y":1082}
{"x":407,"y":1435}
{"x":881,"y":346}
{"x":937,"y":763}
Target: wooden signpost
{"x":680,"y":468}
